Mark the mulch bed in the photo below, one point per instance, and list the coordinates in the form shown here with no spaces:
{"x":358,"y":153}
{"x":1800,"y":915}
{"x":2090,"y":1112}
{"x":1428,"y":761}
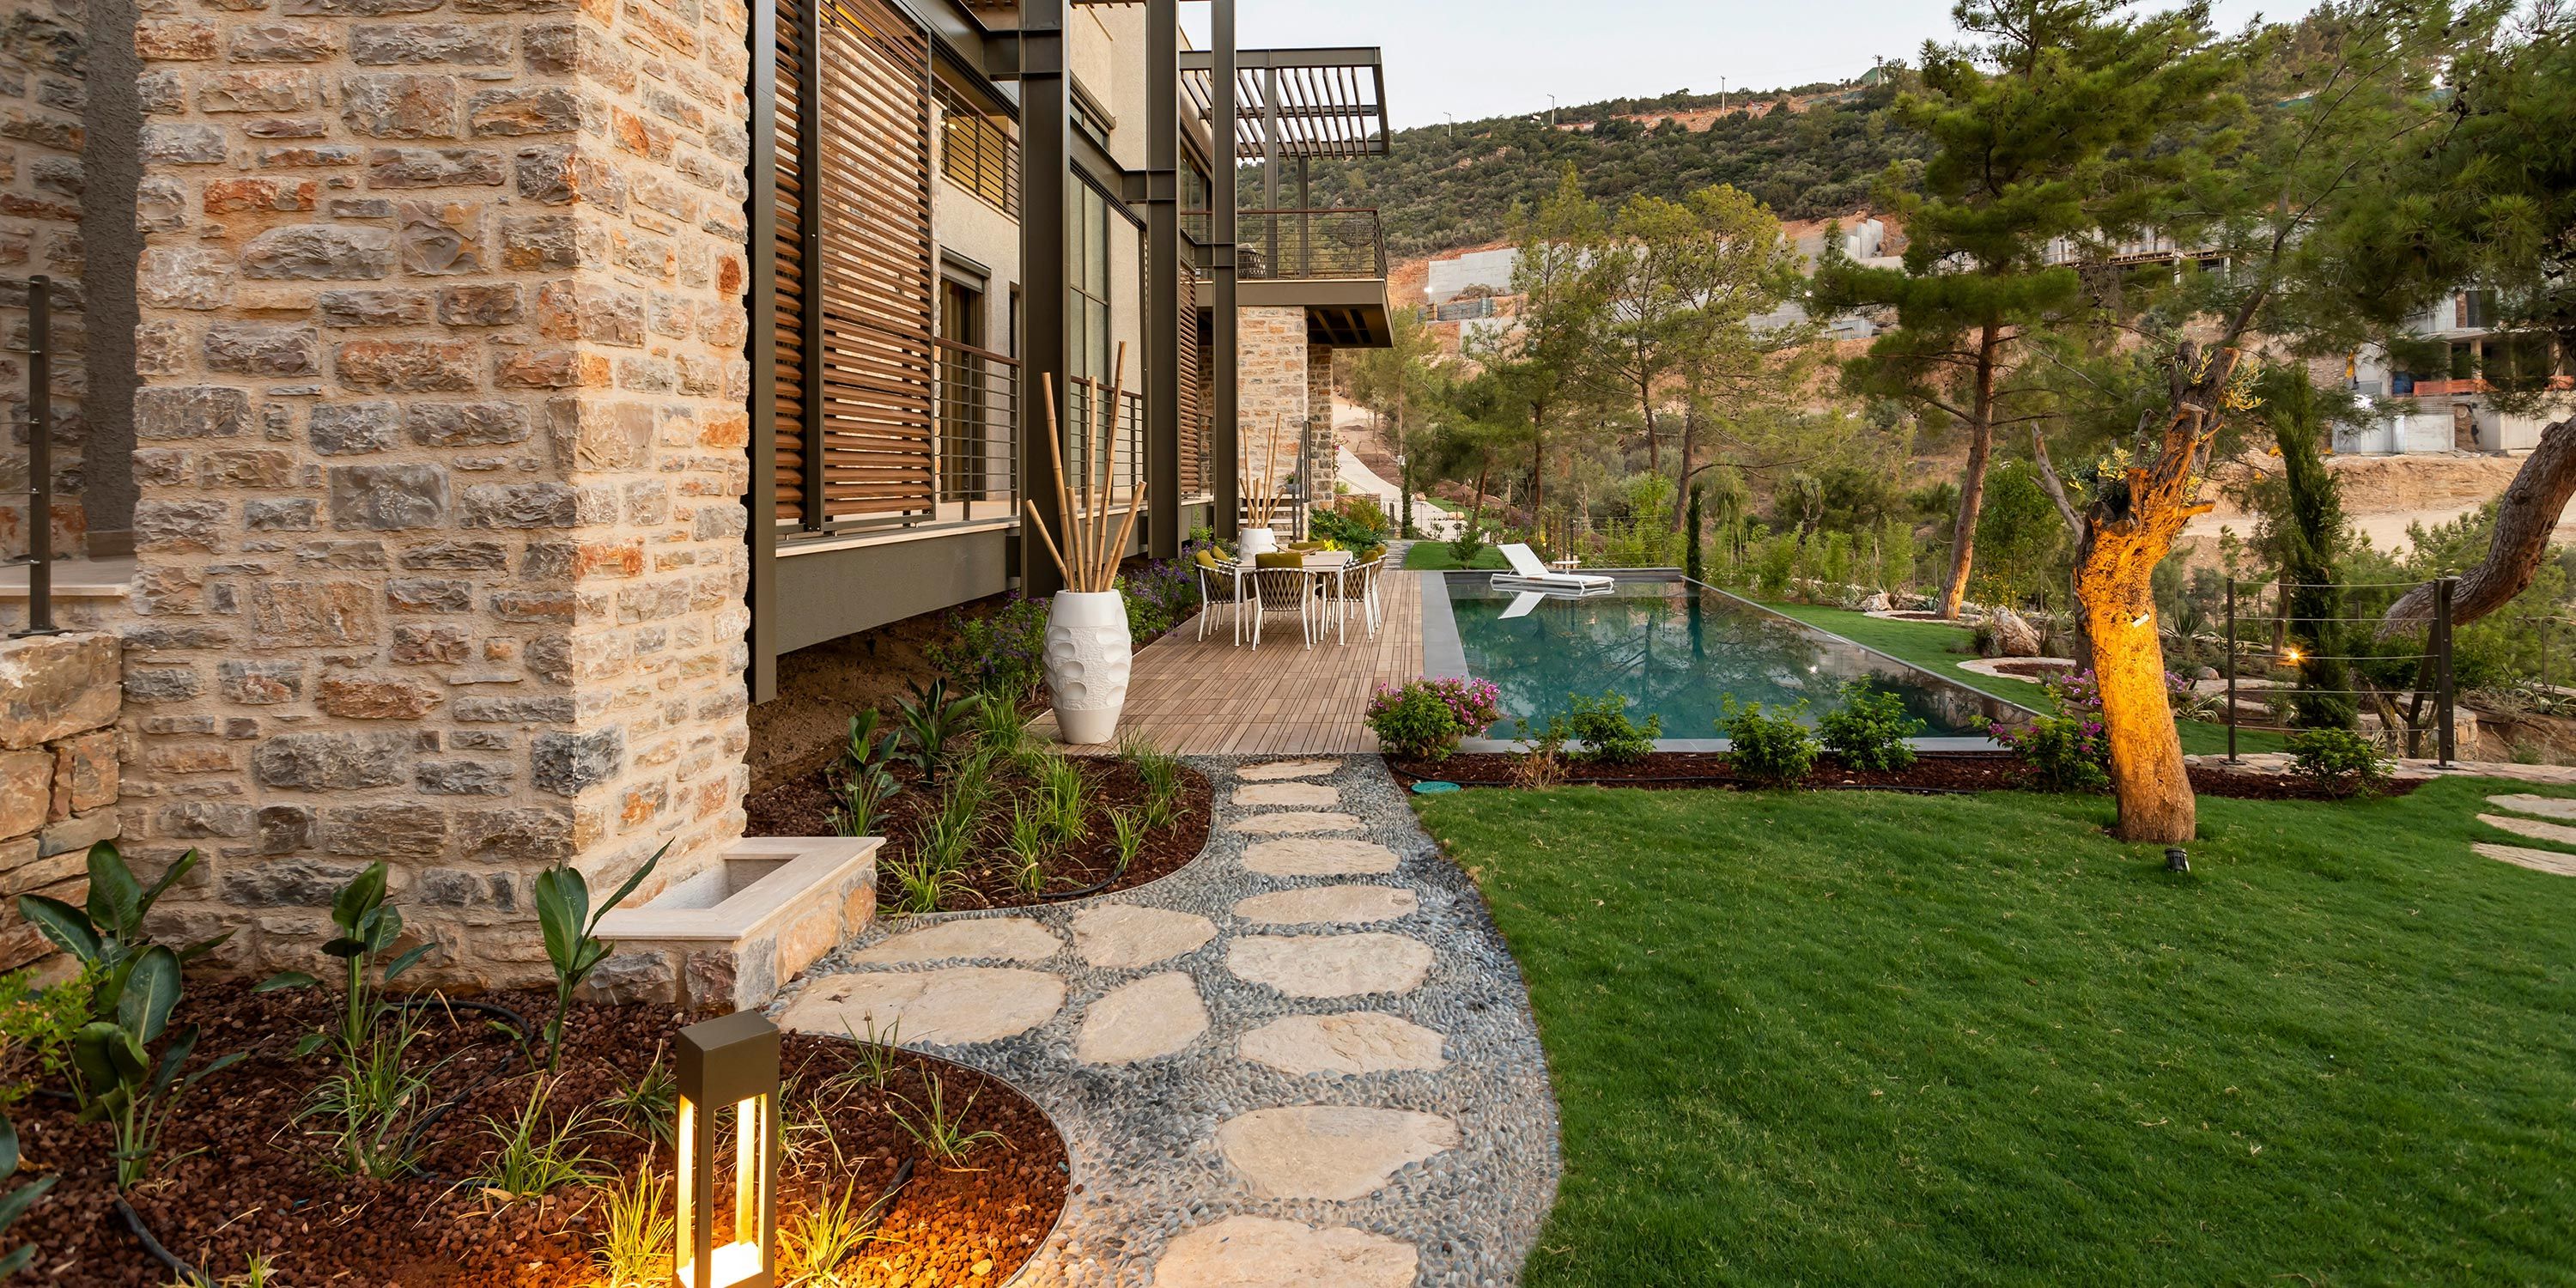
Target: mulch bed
{"x":2032,"y":670}
{"x":1931,"y":772}
{"x":803,"y":807}
{"x":251,"y":1182}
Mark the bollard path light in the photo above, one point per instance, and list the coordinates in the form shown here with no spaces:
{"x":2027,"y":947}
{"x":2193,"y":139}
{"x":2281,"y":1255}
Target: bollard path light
{"x":728,"y":1065}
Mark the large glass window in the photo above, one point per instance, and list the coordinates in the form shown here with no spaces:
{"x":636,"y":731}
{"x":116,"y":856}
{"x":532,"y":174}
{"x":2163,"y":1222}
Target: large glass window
{"x":1087,"y":318}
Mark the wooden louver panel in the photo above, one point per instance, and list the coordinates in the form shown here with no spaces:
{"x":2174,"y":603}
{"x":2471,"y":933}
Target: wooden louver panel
{"x":1194,"y":395}
{"x":787,"y":372}
{"x":876,"y":272}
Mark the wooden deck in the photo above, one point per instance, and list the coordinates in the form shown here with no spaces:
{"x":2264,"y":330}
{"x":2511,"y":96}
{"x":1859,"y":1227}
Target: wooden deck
{"x":1198,"y":698}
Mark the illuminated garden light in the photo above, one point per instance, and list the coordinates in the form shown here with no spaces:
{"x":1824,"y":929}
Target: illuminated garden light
{"x":728,"y":1061}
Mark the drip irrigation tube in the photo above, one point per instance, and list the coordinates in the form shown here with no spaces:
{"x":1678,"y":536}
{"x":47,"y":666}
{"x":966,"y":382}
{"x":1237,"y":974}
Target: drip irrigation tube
{"x":188,"y":1274}
{"x":1116,"y":875}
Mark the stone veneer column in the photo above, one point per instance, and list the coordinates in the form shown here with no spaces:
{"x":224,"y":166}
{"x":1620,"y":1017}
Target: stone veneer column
{"x":1319,"y":408}
{"x":440,"y":450}
{"x":1270,"y":366}
{"x":43,"y":60}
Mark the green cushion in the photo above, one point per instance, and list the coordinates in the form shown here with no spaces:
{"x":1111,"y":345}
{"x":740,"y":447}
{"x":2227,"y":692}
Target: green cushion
{"x":1279,"y":559}
{"x":1370,"y":555}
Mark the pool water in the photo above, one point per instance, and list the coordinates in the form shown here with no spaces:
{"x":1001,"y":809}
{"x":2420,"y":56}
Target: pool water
{"x":1678,"y":651}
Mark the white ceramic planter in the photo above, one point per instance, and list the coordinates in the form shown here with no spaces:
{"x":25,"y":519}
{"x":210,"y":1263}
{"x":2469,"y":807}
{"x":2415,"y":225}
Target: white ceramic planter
{"x":1257,"y":541}
{"x":1087,"y":656}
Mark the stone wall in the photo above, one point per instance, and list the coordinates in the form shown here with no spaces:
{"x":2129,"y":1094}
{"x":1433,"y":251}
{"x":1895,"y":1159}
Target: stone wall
{"x":1319,"y":408}
{"x":43,"y":54}
{"x":1270,"y":359}
{"x":58,"y":773}
{"x":440,"y":455}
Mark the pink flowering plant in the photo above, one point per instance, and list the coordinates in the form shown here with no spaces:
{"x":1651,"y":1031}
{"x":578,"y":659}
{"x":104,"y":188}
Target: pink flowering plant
{"x":2070,"y":750}
{"x":1424,"y":719}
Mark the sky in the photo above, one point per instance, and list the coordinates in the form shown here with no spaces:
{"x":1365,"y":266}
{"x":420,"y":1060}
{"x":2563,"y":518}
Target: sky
{"x":1479,"y":58}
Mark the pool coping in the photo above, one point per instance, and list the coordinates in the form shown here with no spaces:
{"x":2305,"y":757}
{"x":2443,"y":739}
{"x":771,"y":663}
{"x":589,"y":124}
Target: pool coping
{"x":1444,"y":656}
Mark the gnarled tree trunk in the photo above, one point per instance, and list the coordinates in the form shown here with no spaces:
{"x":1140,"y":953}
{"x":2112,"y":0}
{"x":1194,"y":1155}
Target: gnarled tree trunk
{"x":2525,"y":516}
{"x":2126,"y":534}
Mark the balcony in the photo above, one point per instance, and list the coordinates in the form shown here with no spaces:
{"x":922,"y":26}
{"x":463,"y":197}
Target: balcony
{"x":1298,"y":245}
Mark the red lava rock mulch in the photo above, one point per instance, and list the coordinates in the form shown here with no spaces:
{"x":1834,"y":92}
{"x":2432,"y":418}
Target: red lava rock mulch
{"x":804,"y":806}
{"x":1931,"y":771}
{"x":2032,"y":670}
{"x":252,"y":1182}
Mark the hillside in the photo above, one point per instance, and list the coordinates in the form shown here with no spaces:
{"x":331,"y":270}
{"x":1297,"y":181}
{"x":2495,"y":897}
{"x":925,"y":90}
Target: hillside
{"x":1809,"y":154}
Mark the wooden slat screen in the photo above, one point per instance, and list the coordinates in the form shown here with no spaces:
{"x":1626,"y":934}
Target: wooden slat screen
{"x":872,"y":113}
{"x":870,"y":378}
{"x":1194,"y":392}
{"x":788,"y":372}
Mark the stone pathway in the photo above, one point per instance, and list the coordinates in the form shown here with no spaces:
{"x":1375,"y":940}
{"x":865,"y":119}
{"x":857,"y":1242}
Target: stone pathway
{"x":1304,"y":1059}
{"x":2554,"y":862}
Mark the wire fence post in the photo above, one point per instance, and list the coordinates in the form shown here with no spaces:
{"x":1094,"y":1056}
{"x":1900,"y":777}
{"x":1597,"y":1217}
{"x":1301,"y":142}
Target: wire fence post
{"x":40,"y":458}
{"x":2231,"y":671}
{"x":2445,"y":744}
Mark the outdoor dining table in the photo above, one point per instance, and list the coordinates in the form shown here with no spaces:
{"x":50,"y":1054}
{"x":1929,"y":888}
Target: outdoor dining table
{"x":1327,"y":577}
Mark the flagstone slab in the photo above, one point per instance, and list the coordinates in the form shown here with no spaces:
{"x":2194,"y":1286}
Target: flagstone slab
{"x":1291,"y":821}
{"x":1015,"y":939}
{"x":1337,"y":1152}
{"x":1351,"y":905}
{"x":1353,"y":1044}
{"x":2532,"y":828}
{"x":952,"y":1007}
{"x":1278,"y":769}
{"x":1318,"y":856}
{"x":2544,"y":806}
{"x":1331,"y":965}
{"x":2550,"y":861}
{"x":1154,"y":1016}
{"x":1121,"y":936}
{"x":1259,"y":1252}
{"x":1297,"y":795}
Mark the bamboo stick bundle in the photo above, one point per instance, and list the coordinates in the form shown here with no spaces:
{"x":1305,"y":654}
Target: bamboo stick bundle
{"x":1088,"y":556}
{"x":1263,"y":497}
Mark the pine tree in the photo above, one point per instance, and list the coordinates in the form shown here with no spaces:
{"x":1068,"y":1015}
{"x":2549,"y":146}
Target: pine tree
{"x":2036,"y":132}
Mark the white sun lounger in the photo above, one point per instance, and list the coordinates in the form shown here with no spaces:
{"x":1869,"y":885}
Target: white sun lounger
{"x":1529,"y":573}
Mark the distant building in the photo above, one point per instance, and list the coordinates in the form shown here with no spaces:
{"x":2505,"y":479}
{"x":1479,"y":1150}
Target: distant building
{"x":1455,"y":276}
{"x":2451,"y":407}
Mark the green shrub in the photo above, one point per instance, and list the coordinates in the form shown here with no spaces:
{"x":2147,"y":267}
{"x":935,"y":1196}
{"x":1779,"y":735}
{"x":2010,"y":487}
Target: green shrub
{"x":1003,"y":651}
{"x":36,"y":1027}
{"x":1869,"y":730}
{"x":1773,"y":748}
{"x":2339,"y":760}
{"x":2065,"y":753}
{"x":1412,"y":723}
{"x":1607,"y":736}
{"x":1470,"y":539}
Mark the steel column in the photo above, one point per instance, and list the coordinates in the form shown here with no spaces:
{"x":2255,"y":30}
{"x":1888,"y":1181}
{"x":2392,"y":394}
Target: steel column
{"x":1163,"y":303}
{"x":1270,"y":165}
{"x":1225,"y":433}
{"x":2445,"y":743}
{"x":1046,"y":142}
{"x":761,"y":350}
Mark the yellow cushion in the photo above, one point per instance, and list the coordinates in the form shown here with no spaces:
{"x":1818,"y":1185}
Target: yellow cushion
{"x":1207,"y":559}
{"x":1370,"y":555}
{"x":1305,"y":545}
{"x":1279,"y":559}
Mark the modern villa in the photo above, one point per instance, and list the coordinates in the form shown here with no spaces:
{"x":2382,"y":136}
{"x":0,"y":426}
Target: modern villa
{"x":490,"y":398}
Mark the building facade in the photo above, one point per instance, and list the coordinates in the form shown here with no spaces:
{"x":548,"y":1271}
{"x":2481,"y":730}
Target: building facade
{"x":514,"y":381}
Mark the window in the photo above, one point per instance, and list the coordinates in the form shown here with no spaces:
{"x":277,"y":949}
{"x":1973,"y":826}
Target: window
{"x":978,"y":151}
{"x":963,"y":393}
{"x":1087,"y":315}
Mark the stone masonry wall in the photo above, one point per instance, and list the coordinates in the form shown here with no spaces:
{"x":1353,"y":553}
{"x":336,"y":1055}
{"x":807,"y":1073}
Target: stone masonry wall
{"x":58,"y":708}
{"x":1319,"y":407}
{"x":1270,"y":361}
{"x":440,"y":455}
{"x":43,"y":51}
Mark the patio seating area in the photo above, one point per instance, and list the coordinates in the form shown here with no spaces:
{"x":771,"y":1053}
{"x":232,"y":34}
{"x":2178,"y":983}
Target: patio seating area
{"x":1204,"y":697}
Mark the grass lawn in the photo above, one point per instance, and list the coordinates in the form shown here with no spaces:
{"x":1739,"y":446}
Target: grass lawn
{"x":1874,"y":1039}
{"x":1940,"y":648}
{"x":1433,"y":556}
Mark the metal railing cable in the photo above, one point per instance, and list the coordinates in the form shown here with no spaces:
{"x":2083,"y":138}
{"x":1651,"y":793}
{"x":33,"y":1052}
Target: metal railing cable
{"x":39,"y":559}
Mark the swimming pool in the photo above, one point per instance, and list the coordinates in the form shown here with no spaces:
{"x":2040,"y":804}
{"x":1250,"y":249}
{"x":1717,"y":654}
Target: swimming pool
{"x":1676,"y":650}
